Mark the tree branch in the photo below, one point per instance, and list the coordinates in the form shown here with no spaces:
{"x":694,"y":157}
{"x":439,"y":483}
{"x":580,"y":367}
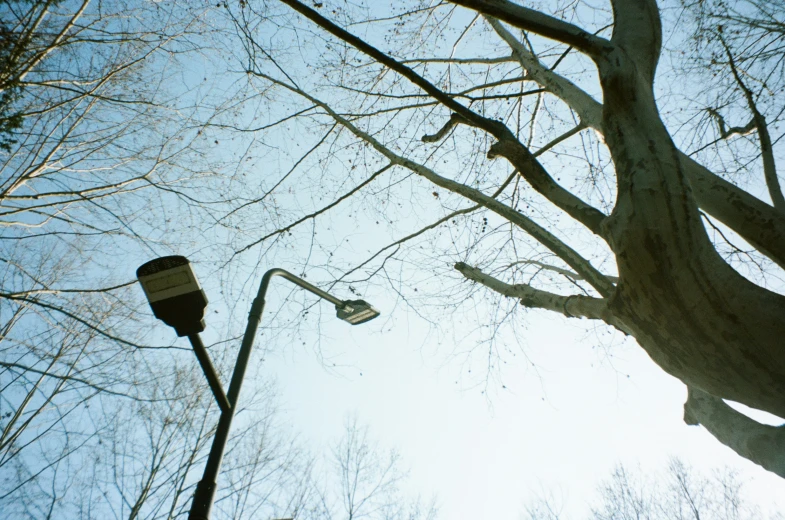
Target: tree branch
{"x":589,"y":110}
{"x":574,"y":306}
{"x":75,"y":317}
{"x":508,"y":145}
{"x":754,"y":220}
{"x":762,"y":444}
{"x":538,"y":178}
{"x":318,"y":212}
{"x":494,"y":127}
{"x":539,"y":233}
{"x":535,"y":174}
{"x":72,"y":379}
{"x":766,"y":148}
{"x":564,"y":272}
{"x":725,"y":130}
{"x":433,"y":225}
{"x":542,"y":24}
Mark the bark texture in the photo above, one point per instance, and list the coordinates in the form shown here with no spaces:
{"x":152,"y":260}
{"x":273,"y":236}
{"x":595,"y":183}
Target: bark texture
{"x":694,"y":315}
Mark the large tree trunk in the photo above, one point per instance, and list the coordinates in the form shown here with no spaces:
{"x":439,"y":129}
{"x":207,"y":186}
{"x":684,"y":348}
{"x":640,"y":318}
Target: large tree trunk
{"x":697,"y":318}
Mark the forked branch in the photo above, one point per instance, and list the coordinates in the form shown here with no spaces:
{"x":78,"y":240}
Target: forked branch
{"x":766,"y":148}
{"x":508,"y":145}
{"x":754,"y":220}
{"x":588,"y":109}
{"x":568,"y":255}
{"x":520,"y":157}
{"x":729,"y":131}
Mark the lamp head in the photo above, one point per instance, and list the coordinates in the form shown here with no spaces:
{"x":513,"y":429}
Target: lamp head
{"x":174,"y":293}
{"x":356,"y":312}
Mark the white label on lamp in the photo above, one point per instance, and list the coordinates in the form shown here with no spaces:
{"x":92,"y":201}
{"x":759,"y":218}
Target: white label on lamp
{"x":169,"y":283}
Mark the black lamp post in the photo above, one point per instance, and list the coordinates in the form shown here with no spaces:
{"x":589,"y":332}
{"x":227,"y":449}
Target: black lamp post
{"x":177,"y":298}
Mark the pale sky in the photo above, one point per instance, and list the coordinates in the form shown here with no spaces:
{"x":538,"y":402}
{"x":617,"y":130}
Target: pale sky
{"x":483,"y":457}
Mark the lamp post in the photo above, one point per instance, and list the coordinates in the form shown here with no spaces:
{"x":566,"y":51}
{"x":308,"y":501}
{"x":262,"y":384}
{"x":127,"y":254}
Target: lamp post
{"x":177,"y":298}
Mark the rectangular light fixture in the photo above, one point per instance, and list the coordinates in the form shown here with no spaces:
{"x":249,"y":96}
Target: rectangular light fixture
{"x":174,"y":293}
{"x":356,"y":312}
{"x":167,"y":277}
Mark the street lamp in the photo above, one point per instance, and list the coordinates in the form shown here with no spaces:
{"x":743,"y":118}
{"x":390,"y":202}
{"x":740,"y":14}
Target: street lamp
{"x":177,"y":298}
{"x":174,"y":293}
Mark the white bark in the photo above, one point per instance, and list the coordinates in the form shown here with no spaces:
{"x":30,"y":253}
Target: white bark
{"x":760,"y":443}
{"x":540,"y":23}
{"x":572,"y":306}
{"x":755,"y":221}
{"x":588,"y":109}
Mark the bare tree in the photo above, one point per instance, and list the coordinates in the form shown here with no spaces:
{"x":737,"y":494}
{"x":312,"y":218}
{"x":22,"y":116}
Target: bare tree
{"x":364,"y":481}
{"x":97,"y":126}
{"x":678,"y":493}
{"x":539,"y":194}
{"x":105,"y":129}
{"x":527,"y":156}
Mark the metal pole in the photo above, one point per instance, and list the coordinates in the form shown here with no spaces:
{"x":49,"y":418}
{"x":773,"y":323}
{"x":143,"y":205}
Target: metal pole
{"x":205,"y":490}
{"x":209,"y":372}
{"x":302,"y":283}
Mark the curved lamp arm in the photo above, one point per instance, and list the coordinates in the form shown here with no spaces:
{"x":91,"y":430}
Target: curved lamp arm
{"x":351,"y":311}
